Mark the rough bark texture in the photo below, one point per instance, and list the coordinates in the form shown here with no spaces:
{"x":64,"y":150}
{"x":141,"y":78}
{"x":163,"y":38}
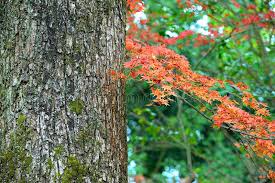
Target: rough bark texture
{"x":62,"y":117}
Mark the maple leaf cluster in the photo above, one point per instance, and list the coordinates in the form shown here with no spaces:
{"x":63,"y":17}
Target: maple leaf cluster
{"x":231,"y":26}
{"x":168,"y":72}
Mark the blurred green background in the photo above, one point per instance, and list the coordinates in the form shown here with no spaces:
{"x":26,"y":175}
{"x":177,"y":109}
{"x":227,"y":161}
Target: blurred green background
{"x":167,"y":144}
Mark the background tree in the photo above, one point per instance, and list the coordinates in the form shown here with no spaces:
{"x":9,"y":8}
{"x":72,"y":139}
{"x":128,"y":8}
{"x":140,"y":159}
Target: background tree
{"x":61,"y":115}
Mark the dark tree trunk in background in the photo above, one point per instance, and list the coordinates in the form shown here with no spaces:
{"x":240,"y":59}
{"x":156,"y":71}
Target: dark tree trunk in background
{"x":62,"y":117}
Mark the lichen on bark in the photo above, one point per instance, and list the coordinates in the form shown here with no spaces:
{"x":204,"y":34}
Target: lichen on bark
{"x":15,"y":159}
{"x":55,"y":58}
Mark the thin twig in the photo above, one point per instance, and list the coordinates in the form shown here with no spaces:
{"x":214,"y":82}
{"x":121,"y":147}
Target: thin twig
{"x":212,"y":48}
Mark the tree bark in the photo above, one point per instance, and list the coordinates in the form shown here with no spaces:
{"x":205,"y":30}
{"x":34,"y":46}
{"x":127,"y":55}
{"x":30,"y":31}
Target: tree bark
{"x":62,"y":116}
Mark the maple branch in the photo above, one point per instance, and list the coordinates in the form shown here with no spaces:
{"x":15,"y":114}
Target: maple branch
{"x":245,"y":133}
{"x":252,"y":159}
{"x":224,"y":126}
{"x":238,"y":152}
{"x":210,"y":110}
{"x":252,"y":154}
{"x":193,"y":107}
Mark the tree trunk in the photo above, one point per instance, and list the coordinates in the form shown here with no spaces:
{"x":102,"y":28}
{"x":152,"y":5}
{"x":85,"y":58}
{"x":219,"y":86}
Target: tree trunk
{"x":62,"y":116}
